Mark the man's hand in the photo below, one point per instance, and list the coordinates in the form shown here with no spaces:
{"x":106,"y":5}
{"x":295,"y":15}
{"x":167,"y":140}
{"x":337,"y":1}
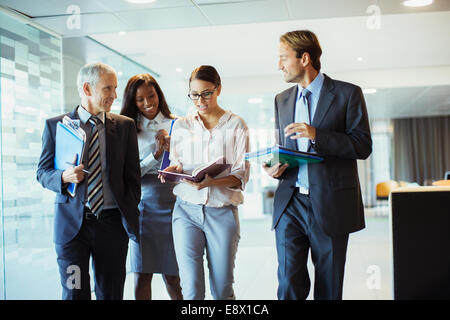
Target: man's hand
{"x":276,"y":170}
{"x":301,"y":129}
{"x":73,"y":174}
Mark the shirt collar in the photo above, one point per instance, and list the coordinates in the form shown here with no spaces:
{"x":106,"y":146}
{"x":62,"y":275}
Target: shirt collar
{"x":225,"y":117}
{"x":314,"y":87}
{"x":145,"y":122}
{"x":85,"y":115}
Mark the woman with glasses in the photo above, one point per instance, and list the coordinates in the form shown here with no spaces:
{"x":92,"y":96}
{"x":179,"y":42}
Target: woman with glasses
{"x":205,"y":216}
{"x":145,"y":103}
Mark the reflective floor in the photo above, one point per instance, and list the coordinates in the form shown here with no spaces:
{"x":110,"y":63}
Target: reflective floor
{"x":32,"y":272}
{"x":368,"y":274}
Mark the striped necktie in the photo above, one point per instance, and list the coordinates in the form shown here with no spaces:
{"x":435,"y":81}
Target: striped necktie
{"x":95,"y":185}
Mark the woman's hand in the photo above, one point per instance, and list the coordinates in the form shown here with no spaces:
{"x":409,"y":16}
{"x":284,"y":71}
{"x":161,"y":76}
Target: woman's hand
{"x":206,"y":182}
{"x":175,"y":168}
{"x":159,"y":148}
{"x":162,"y":140}
{"x":167,"y":143}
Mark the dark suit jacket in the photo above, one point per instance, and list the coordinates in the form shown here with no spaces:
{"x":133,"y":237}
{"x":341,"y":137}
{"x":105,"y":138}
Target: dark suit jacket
{"x":123,"y":171}
{"x":342,"y":136}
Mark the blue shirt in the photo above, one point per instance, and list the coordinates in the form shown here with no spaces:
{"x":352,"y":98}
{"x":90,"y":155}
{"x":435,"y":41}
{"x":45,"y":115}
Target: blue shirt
{"x":301,"y":115}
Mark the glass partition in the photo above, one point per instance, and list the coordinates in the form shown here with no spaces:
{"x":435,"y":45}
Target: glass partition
{"x":31,"y":91}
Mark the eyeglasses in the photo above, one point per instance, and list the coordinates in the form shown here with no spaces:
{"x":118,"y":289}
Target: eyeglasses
{"x":205,"y":95}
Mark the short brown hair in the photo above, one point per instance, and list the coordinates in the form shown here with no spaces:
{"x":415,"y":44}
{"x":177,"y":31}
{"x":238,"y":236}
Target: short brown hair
{"x":129,"y":107}
{"x":206,"y":73}
{"x":302,"y":41}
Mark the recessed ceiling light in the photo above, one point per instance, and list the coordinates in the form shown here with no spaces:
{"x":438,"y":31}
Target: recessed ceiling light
{"x":178,"y":69}
{"x":141,"y":1}
{"x":122,"y":33}
{"x":359,"y":59}
{"x":120,"y":73}
{"x":369,"y":91}
{"x":255,"y":100}
{"x":417,"y":3}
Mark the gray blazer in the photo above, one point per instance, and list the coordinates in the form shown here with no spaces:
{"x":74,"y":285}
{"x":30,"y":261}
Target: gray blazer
{"x":123,"y":171}
{"x":342,"y":136}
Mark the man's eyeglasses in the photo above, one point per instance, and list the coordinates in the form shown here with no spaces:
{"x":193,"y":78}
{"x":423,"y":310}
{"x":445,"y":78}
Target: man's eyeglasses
{"x":205,"y":95}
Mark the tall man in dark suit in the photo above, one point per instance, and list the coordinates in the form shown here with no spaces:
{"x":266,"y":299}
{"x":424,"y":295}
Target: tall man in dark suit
{"x":316,"y":206}
{"x":103,"y":215}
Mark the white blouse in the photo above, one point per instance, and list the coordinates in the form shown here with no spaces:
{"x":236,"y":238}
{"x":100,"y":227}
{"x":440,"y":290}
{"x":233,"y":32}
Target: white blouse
{"x":147,"y":141}
{"x":192,"y":145}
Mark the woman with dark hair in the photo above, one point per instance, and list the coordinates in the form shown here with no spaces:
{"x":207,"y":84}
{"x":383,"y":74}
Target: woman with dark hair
{"x":205,"y":216}
{"x":145,"y":103}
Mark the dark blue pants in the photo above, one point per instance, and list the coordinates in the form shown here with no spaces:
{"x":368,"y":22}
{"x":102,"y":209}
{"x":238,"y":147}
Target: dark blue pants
{"x":107,"y":242}
{"x":296,"y":233}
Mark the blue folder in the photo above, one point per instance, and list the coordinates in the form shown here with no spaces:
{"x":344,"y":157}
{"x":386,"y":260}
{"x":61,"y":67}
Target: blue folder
{"x":165,"y":161}
{"x":67,"y":145}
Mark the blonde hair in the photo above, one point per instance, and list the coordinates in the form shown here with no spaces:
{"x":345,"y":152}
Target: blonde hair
{"x":302,"y":41}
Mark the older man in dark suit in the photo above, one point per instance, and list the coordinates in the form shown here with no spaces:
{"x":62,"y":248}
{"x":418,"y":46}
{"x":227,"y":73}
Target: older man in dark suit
{"x":317,"y":205}
{"x":98,"y":221}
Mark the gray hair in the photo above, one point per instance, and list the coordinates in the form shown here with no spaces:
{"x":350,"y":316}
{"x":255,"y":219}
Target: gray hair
{"x":91,"y":73}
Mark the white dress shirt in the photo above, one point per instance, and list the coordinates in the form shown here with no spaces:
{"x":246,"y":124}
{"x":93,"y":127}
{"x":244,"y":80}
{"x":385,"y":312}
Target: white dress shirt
{"x":147,"y":141}
{"x":192,"y":145}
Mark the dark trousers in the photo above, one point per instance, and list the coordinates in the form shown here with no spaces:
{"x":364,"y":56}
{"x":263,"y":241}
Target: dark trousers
{"x":106,"y":241}
{"x":296,"y":233}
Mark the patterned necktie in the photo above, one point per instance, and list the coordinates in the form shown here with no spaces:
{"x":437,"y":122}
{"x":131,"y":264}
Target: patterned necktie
{"x":95,"y":185}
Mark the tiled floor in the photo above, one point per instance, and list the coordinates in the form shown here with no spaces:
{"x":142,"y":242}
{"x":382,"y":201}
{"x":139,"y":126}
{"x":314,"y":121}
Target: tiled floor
{"x":368,"y":274}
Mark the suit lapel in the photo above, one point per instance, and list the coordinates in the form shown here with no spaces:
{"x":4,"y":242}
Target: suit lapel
{"x":110,"y":135}
{"x":324,"y":103}
{"x":74,"y":114}
{"x":288,"y":117}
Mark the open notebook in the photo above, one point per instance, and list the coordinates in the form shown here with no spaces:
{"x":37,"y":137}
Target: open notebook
{"x":212,"y":168}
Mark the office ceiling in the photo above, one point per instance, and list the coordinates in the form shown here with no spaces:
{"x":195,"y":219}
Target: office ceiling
{"x":406,"y":57}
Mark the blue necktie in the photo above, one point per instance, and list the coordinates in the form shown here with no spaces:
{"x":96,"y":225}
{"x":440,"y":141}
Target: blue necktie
{"x":302,"y":143}
{"x":95,"y":185}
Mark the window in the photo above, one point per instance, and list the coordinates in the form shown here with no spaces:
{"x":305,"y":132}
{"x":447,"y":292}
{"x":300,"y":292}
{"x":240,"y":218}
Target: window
{"x":31,"y":91}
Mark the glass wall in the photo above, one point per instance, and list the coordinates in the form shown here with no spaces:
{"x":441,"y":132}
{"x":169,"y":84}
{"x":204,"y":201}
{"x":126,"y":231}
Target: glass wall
{"x":79,"y":51}
{"x":31,"y":91}
{"x":38,"y":80}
